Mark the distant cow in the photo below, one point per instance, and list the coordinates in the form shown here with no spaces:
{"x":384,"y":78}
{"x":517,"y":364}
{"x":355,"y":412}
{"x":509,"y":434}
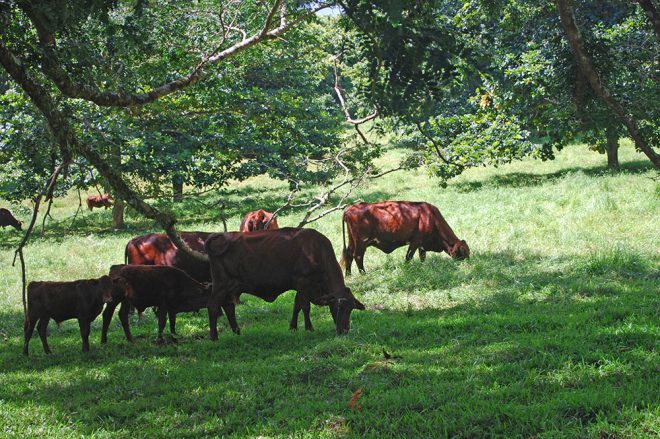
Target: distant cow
{"x":104,"y":200}
{"x":7,"y":219}
{"x":256,"y":220}
{"x":80,"y":299}
{"x":268,"y":263}
{"x":168,"y":289}
{"x":389,"y":225}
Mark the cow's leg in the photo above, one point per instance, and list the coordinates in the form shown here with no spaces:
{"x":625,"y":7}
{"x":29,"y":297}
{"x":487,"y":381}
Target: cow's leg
{"x":230,"y":311}
{"x":162,"y":320}
{"x":28,"y":329}
{"x":123,"y":317}
{"x":422,"y":254}
{"x":214,"y":312}
{"x":301,"y":304}
{"x":84,"y":333}
{"x":359,"y":257}
{"x":172,"y":316}
{"x":107,"y":318}
{"x":411,"y":252}
{"x":42,"y":328}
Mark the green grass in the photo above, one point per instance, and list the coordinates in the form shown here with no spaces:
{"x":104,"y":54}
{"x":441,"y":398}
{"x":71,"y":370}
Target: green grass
{"x":549,"y":330}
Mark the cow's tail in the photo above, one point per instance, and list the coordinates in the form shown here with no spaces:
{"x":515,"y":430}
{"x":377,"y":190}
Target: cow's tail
{"x":344,"y":256}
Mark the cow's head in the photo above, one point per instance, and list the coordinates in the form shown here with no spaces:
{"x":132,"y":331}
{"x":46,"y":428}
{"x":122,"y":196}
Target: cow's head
{"x":18,"y":225}
{"x":106,"y":287}
{"x":121,"y":289}
{"x":460,"y":250}
{"x":341,"y":308}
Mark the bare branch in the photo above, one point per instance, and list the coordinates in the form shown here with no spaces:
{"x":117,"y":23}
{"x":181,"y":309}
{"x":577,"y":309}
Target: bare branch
{"x":342,"y":102}
{"x":52,"y":66}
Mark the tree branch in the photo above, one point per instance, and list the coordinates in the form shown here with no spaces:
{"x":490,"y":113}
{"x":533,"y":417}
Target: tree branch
{"x":68,"y":140}
{"x":436,"y":147}
{"x":585,"y":64}
{"x":652,"y":14}
{"x":53,"y":69}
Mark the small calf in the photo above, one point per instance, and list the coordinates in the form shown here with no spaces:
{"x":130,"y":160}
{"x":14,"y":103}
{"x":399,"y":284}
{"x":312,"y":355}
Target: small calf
{"x":168,"y":289}
{"x":79,"y":299}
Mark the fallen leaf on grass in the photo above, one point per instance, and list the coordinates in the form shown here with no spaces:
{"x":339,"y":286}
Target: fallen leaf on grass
{"x":354,"y":399}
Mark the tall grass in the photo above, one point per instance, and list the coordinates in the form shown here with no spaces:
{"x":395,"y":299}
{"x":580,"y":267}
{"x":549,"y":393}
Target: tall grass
{"x":550,"y":329}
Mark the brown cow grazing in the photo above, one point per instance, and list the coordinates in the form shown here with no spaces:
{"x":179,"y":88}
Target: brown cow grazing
{"x":80,"y":299}
{"x":168,"y":289}
{"x":7,"y":219}
{"x":104,"y":200}
{"x":268,"y":263}
{"x":256,"y":220}
{"x":389,"y":225}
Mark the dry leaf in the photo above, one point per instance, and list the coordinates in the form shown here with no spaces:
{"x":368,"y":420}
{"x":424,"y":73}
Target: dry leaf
{"x":356,"y":395}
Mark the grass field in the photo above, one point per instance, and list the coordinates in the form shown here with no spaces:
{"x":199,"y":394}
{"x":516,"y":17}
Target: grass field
{"x":551,"y":329}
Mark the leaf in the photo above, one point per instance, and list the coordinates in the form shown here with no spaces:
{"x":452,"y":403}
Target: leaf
{"x":354,"y":399}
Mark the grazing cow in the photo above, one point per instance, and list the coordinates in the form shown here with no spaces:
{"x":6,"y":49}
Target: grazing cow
{"x":7,"y":219}
{"x":80,"y":299}
{"x":256,"y":220}
{"x":268,"y":263}
{"x":104,"y":200}
{"x":168,"y":289}
{"x":389,"y":225}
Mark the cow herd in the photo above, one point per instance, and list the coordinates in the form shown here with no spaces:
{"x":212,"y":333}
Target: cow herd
{"x":261,"y":259}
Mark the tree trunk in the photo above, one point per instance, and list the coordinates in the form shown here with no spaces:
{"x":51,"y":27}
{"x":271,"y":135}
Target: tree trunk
{"x":612,"y":148}
{"x":585,"y":64}
{"x":177,"y":188}
{"x":118,"y":214}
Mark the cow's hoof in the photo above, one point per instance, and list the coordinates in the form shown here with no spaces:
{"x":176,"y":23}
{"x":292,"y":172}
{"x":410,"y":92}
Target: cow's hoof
{"x":160,"y":341}
{"x":310,"y":329}
{"x":293,"y":328}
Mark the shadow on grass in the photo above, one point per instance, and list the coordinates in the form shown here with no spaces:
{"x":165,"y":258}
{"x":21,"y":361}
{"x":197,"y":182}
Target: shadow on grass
{"x":524,"y":179}
{"x":551,"y":345}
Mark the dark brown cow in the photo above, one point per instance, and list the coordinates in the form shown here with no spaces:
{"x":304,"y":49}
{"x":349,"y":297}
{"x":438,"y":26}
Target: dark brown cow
{"x":256,"y":220}
{"x":158,"y":249}
{"x":268,"y":263}
{"x":389,"y":225}
{"x":104,"y":200}
{"x":168,"y":289}
{"x":7,"y":219}
{"x":80,"y":299}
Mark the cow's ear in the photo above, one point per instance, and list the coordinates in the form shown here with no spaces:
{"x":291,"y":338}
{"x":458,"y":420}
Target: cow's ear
{"x":358,"y":305}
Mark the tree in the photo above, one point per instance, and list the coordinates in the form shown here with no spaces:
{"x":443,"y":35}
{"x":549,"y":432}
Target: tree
{"x":61,"y":58}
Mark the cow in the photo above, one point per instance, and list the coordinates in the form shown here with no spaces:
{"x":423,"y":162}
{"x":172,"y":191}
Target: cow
{"x":256,"y":220}
{"x":389,"y":225}
{"x":168,"y":289}
{"x":7,"y":219}
{"x":104,"y":200}
{"x":267,"y":263}
{"x":80,"y":299}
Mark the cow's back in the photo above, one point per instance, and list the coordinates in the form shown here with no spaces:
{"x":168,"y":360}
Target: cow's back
{"x":158,"y":249}
{"x":270,"y":262}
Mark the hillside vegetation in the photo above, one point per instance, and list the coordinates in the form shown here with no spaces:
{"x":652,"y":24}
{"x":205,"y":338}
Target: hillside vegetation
{"x":550,"y":329}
